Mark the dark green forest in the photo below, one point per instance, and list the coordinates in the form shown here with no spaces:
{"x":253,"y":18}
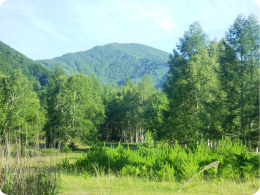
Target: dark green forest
{"x":11,"y":61}
{"x":114,"y":62}
{"x":211,"y":91}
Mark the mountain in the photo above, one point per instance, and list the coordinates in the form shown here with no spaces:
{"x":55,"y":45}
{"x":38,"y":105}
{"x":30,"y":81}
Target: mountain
{"x":11,"y":60}
{"x":113,"y":63}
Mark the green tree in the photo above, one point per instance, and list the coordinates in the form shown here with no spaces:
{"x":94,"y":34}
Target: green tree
{"x":188,"y":86}
{"x":132,"y":110}
{"x":153,"y":115}
{"x":192,"y":40}
{"x":230,"y":91}
{"x":244,"y":37}
{"x":75,"y":109}
{"x":22,"y":118}
{"x":108,"y":130}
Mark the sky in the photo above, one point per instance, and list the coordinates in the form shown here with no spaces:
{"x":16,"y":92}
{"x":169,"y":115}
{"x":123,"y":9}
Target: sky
{"x":43,"y":29}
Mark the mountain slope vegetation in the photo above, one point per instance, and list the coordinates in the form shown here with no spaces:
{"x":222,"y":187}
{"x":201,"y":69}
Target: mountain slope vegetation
{"x":12,"y":60}
{"x":113,"y":63}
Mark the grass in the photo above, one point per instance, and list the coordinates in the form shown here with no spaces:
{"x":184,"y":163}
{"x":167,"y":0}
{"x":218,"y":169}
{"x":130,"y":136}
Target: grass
{"x":72,"y":156}
{"x":27,"y":174}
{"x":129,"y":185}
{"x":117,"y":185}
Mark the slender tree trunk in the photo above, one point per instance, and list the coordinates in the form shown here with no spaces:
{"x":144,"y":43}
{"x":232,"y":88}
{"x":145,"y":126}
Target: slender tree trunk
{"x":136,"y":136}
{"x":251,"y":106}
{"x":250,"y":127}
{"x":242,"y":104}
{"x":242,"y":112}
{"x":142,"y":136}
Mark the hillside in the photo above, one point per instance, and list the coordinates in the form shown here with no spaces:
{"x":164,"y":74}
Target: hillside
{"x":113,"y":63}
{"x":11,"y":60}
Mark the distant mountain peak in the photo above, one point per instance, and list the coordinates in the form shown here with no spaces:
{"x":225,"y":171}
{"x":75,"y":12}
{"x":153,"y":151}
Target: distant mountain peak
{"x":114,"y":62}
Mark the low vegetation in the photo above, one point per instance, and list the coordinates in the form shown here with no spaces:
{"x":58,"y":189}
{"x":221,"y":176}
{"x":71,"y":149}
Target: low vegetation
{"x":24,"y":172}
{"x":169,"y":163}
{"x":118,"y":185}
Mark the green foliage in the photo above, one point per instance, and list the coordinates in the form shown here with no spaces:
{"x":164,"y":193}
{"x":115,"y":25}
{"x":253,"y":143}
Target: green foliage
{"x":65,"y":148}
{"x":66,"y":167}
{"x":190,"y":87}
{"x":192,"y":40}
{"x":244,"y":38}
{"x":75,"y":109}
{"x":132,"y":110}
{"x":213,"y":87}
{"x":149,"y":141}
{"x":113,"y":63}
{"x":175,"y":163}
{"x":21,"y":117}
{"x":11,"y":61}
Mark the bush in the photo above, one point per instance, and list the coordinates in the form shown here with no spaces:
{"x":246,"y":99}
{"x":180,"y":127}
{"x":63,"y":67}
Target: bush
{"x":66,"y":149}
{"x":164,"y":162}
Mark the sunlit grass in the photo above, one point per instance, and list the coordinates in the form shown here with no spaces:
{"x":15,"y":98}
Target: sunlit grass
{"x":76,"y":184}
{"x":72,"y":157}
{"x":124,"y":185}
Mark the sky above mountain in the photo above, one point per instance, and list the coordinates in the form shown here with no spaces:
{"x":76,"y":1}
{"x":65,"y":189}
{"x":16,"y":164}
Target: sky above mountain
{"x":43,"y":29}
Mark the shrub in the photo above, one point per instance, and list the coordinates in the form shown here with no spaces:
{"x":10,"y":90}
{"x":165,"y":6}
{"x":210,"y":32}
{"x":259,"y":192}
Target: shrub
{"x":163,"y":162}
{"x":65,"y":148}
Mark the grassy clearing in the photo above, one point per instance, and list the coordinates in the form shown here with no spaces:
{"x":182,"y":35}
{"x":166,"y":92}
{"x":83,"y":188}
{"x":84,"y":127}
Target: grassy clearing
{"x":75,"y":184}
{"x":221,"y":182}
{"x":130,"y":185}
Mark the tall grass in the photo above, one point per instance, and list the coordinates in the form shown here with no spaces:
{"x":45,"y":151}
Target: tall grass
{"x":23,"y":172}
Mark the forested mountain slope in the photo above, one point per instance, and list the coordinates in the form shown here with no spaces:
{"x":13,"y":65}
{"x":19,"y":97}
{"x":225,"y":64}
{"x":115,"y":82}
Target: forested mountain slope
{"x":11,"y":60}
{"x":113,"y":63}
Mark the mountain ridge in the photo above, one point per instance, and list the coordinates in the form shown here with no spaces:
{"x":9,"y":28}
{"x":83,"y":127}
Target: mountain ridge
{"x":12,"y":60}
{"x":114,"y":62}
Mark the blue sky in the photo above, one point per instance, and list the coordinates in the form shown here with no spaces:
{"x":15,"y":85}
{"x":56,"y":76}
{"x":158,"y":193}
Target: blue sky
{"x":42,"y":29}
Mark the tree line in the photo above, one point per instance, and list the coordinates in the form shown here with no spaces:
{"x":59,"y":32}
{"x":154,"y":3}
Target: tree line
{"x":211,"y":91}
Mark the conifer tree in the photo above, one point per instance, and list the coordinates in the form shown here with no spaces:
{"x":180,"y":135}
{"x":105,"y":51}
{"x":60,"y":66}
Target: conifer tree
{"x":244,"y":37}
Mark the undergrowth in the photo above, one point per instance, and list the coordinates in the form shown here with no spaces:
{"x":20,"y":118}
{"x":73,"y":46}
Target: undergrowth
{"x":25,"y":173}
{"x":163,"y":162}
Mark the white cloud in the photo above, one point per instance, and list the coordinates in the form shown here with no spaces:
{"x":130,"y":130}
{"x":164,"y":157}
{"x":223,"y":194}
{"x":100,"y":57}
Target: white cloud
{"x":2,"y":1}
{"x":166,"y":23}
{"x":258,"y":2}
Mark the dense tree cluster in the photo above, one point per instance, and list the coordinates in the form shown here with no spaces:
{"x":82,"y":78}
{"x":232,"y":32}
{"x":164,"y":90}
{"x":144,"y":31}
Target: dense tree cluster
{"x":21,"y":116}
{"x":213,"y":86}
{"x":132,"y":110}
{"x":212,"y":90}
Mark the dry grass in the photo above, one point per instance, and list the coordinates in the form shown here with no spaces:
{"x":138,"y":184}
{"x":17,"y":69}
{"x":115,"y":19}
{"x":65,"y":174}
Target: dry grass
{"x":22,"y":175}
